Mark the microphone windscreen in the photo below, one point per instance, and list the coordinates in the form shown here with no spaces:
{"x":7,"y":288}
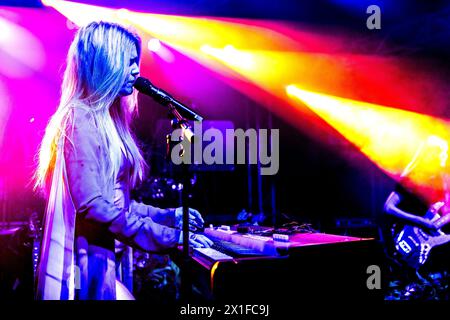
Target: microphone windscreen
{"x":143,"y":85}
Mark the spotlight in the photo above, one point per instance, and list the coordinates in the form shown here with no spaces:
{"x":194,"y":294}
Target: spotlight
{"x":122,"y":13}
{"x":230,"y":56}
{"x":230,"y":49}
{"x":154,"y":45}
{"x":6,"y":33}
{"x":206,"y":48}
{"x":48,"y":3}
{"x":291,"y":89}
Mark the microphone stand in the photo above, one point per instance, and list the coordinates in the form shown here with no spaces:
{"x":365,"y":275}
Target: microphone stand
{"x":178,"y":122}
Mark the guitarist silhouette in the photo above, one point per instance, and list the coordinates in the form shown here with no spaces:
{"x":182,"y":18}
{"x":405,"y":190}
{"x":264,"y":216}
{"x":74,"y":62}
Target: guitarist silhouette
{"x":418,"y":208}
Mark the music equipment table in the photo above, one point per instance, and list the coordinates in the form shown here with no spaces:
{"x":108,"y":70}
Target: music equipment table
{"x":255,"y":268}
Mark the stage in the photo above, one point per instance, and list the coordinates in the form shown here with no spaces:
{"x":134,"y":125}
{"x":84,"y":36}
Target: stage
{"x":310,"y":139}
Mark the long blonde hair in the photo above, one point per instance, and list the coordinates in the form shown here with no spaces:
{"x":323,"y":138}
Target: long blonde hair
{"x":97,"y":64}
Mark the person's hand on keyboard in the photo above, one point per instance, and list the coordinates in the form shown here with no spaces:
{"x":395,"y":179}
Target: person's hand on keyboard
{"x":199,"y":241}
{"x":196,"y":240}
{"x":195,"y":219}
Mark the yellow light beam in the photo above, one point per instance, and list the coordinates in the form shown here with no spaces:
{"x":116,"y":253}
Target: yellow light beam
{"x":389,"y":137}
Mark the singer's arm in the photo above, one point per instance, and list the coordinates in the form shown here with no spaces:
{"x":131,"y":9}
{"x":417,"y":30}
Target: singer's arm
{"x":86,"y":172}
{"x":166,"y":217}
{"x":169,"y":217}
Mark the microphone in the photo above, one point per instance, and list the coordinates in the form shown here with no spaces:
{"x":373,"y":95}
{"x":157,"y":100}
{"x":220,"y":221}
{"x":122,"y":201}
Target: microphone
{"x":144,"y":86}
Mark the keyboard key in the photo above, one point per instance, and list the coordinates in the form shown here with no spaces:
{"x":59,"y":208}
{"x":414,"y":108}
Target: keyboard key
{"x":213,"y":254}
{"x":233,"y":249}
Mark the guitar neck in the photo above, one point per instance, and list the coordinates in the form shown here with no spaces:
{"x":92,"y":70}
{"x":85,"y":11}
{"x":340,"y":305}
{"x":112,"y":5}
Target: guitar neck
{"x":443,"y":221}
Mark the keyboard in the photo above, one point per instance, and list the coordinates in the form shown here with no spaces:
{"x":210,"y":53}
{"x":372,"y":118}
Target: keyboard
{"x":212,"y":254}
{"x":234,"y":250}
{"x":223,"y":250}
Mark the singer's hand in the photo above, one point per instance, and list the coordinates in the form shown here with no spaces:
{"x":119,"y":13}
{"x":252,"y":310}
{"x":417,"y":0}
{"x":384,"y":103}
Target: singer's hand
{"x":197,"y":240}
{"x":195,"y":218}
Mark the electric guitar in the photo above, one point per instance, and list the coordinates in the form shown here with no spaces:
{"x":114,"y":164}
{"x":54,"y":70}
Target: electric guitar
{"x":414,"y":243}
